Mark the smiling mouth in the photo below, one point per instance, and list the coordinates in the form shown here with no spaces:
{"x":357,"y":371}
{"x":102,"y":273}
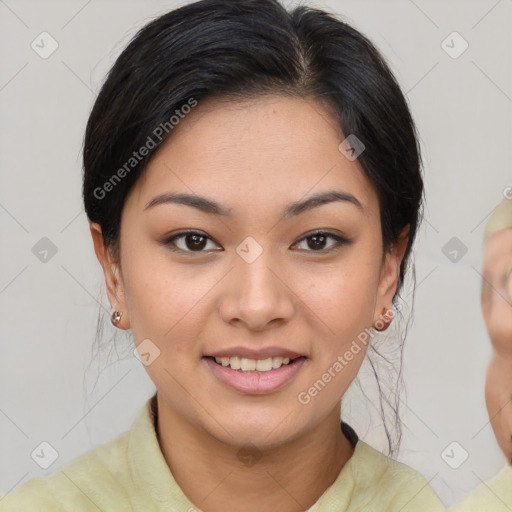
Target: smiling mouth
{"x":246,"y":365}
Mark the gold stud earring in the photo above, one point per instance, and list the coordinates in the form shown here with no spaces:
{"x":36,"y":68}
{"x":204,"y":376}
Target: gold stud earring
{"x":116,"y":317}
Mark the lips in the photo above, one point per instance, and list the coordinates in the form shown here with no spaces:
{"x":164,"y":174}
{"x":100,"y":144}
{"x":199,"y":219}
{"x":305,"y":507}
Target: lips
{"x":255,"y":371}
{"x":255,"y":382}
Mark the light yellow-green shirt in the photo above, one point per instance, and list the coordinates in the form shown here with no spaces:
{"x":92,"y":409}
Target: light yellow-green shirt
{"x":492,"y":496}
{"x":131,"y":474}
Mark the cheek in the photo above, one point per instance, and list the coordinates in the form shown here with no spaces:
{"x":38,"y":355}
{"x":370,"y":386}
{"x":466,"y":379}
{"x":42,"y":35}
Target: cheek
{"x":343,"y":303}
{"x":499,"y":323}
{"x":345,"y":295}
{"x":161,"y":301}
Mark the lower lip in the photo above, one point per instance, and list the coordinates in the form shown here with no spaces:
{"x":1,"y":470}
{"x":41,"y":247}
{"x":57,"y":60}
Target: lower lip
{"x":256,"y":383}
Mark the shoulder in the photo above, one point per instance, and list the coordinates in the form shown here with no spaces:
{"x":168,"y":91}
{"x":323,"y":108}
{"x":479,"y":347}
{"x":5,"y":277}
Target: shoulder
{"x":392,"y":483}
{"x":93,"y":479}
{"x":494,"y":495}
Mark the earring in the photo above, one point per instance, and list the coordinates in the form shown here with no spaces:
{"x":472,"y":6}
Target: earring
{"x":384,"y":321}
{"x":116,"y":317}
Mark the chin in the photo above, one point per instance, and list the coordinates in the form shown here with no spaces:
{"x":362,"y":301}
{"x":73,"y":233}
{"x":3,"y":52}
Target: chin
{"x":266,"y":433}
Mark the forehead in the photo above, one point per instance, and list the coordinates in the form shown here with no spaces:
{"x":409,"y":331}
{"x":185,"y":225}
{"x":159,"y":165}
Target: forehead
{"x":272,"y":148}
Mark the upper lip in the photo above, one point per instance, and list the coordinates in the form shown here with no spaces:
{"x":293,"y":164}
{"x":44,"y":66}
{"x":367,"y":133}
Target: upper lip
{"x":251,"y":353}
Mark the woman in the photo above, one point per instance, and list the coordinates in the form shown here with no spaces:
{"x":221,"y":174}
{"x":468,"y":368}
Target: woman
{"x":496,"y":299}
{"x":253,"y":184}
{"x":496,"y":308}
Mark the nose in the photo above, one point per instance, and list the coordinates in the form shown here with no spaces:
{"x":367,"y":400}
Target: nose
{"x":257,"y":294}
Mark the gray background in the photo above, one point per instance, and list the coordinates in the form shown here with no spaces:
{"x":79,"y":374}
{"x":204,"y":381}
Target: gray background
{"x":49,"y":310}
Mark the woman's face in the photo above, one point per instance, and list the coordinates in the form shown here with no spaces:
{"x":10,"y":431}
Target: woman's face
{"x":253,"y":282}
{"x":497,"y":289}
{"x":496,"y":308}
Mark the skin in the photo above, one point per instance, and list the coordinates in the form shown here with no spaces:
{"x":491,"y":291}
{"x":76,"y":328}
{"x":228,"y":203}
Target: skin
{"x":497,"y":311}
{"x":254,"y":157}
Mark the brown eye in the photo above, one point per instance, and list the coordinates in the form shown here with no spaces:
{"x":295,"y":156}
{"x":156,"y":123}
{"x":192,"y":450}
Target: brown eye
{"x":195,"y":242}
{"x":317,"y":242}
{"x":189,"y":241}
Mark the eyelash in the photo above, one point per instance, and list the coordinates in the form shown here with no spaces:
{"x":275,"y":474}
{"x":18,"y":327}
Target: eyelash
{"x":340,"y":241}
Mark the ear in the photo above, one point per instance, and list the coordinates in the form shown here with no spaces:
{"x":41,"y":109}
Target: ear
{"x":113,"y":278}
{"x":388,"y":282}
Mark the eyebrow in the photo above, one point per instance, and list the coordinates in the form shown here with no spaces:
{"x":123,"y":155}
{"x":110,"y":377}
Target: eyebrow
{"x":211,"y":207}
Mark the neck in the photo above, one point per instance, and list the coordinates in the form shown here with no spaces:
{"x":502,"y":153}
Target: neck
{"x":215,"y":477}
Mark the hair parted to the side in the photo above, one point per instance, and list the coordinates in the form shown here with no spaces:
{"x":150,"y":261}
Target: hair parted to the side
{"x":242,"y":50}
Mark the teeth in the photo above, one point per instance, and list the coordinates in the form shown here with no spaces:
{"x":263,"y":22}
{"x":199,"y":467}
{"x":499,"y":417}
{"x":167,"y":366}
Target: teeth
{"x":264,"y":365}
{"x":247,"y":365}
{"x":277,"y":362}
